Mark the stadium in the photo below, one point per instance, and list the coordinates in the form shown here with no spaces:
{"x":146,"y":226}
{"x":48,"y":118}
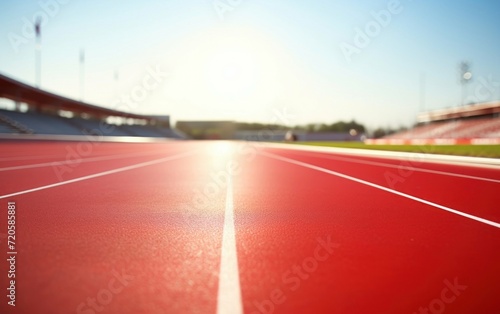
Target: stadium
{"x":465,"y":125}
{"x":264,"y":174}
{"x":36,"y":112}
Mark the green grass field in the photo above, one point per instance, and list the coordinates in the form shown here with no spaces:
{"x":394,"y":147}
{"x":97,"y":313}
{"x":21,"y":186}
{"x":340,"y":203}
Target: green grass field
{"x":492,"y":151}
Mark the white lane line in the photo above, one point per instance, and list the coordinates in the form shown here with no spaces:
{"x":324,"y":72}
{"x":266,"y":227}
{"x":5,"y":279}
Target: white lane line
{"x":383,"y":188}
{"x":410,"y":168}
{"x":72,"y":162}
{"x":482,"y":162}
{"x":20,"y":158}
{"x":229,"y":294}
{"x":100,"y":174}
{"x":17,"y":158}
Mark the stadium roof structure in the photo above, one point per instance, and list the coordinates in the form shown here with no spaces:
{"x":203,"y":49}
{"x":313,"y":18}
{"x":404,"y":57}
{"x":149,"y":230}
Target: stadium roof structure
{"x":40,"y":99}
{"x":475,"y":110}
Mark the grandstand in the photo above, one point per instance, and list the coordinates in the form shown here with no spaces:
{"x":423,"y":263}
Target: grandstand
{"x":36,"y":113}
{"x":472,"y":124}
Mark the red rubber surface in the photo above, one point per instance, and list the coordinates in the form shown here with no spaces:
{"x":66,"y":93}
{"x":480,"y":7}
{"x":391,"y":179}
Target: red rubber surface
{"x":148,"y":239}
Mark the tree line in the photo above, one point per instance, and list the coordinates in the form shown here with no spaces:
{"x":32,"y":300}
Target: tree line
{"x":339,"y":126}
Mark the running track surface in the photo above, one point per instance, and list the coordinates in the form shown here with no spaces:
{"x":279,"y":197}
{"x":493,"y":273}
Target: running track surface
{"x":228,"y":227}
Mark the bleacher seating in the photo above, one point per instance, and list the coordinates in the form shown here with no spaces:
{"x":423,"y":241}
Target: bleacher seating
{"x":40,"y":123}
{"x":91,"y":126}
{"x":4,"y":128}
{"x":457,"y":129}
{"x":7,"y":125}
{"x":141,"y":130}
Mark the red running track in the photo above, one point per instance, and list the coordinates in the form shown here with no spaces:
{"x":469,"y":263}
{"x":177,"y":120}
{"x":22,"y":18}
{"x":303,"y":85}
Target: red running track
{"x":222,"y":227}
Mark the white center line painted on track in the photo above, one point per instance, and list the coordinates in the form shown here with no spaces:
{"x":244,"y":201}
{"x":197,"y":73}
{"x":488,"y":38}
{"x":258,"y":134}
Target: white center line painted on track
{"x":383,"y":188}
{"x":100,"y":174}
{"x":229,"y":294}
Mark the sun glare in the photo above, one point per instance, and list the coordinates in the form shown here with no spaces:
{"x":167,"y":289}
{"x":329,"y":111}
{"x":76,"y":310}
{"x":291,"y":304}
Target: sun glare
{"x":220,"y":153}
{"x":221,"y":149}
{"x":231,"y":72}
{"x":227,"y":69}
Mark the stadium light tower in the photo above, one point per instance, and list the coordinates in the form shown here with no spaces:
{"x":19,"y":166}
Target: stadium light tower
{"x":82,"y":74}
{"x":422,"y":92}
{"x":38,"y":52}
{"x":465,"y":77}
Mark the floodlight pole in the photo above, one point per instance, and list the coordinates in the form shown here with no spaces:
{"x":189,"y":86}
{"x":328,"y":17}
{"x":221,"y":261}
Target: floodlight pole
{"x":465,"y":76}
{"x":38,"y":53}
{"x":82,"y":74}
{"x":422,"y":91}
{"x":116,"y":77}
{"x":463,"y":93}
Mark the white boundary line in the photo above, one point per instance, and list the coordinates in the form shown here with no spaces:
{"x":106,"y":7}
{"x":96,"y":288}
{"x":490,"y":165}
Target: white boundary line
{"x":410,"y":168}
{"x":229,"y":293}
{"x":84,"y":138}
{"x":100,"y":174}
{"x":23,"y":158}
{"x":426,"y":157}
{"x":19,"y":158}
{"x":338,"y":174}
{"x":69,"y":163}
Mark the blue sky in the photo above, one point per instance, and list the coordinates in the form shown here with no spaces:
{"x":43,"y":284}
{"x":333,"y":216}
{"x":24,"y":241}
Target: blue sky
{"x":244,"y":60}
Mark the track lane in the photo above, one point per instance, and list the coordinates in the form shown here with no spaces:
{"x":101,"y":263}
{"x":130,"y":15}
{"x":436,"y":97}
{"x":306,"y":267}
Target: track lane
{"x":57,"y":172}
{"x":393,"y":254}
{"x":140,"y":224}
{"x":163,"y":224}
{"x":412,"y":160}
{"x":468,"y":195}
{"x":25,"y":154}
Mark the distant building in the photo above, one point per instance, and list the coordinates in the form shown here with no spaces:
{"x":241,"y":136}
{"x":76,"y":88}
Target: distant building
{"x":207,"y":130}
{"x":301,"y":136}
